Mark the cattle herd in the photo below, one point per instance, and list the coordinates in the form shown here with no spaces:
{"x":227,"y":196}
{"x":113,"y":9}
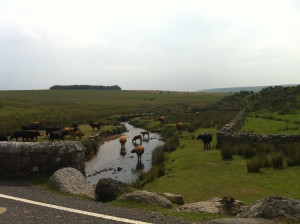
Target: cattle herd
{"x":32,"y":131}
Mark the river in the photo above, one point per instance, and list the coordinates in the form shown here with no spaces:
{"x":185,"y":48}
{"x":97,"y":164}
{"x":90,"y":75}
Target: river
{"x":111,"y":161}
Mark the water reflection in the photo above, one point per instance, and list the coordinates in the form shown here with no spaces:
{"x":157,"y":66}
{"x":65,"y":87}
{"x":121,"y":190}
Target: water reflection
{"x":117,"y":162}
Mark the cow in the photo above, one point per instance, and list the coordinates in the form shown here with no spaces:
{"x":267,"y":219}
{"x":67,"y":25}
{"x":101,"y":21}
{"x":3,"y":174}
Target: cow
{"x":206,"y":138}
{"x":36,"y":125}
{"x":56,"y":135}
{"x":179,"y":127}
{"x":49,"y":130}
{"x":136,"y":138}
{"x":68,"y":130}
{"x":139,"y":150}
{"x":25,"y":134}
{"x":77,"y":133}
{"x":122,"y":140}
{"x":95,"y":125}
{"x":145,"y":133}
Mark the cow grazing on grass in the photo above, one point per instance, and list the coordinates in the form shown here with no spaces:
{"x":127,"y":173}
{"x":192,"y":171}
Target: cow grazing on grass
{"x":56,"y":135}
{"x":139,"y":150}
{"x":77,"y":133}
{"x":206,"y":138}
{"x":36,"y":125}
{"x":179,"y":127}
{"x":49,"y":130}
{"x":137,"y":137}
{"x":96,"y":125}
{"x":25,"y":134}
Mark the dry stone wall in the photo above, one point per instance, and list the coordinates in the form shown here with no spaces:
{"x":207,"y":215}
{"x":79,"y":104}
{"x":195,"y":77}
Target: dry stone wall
{"x":229,"y":134}
{"x":25,"y":158}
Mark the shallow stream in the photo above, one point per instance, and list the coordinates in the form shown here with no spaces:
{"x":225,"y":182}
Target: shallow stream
{"x":112,"y":161}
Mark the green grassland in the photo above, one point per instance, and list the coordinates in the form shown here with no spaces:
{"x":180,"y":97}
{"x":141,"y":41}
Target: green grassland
{"x":62,"y":107}
{"x":272,"y":123}
{"x":199,"y":174}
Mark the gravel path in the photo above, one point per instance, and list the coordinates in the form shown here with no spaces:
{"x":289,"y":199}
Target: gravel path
{"x":16,"y":212}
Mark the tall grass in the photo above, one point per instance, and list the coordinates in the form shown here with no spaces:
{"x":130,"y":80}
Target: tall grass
{"x":264,"y":155}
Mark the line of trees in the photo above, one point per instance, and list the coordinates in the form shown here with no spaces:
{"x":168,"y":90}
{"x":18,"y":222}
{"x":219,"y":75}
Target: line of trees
{"x":85,"y":87}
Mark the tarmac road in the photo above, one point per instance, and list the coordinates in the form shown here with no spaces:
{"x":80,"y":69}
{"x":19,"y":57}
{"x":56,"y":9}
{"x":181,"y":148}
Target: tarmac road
{"x":45,"y":206}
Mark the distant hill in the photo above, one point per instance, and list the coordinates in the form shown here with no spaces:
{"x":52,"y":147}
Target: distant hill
{"x":274,"y":98}
{"x":85,"y":87}
{"x":238,"y":89}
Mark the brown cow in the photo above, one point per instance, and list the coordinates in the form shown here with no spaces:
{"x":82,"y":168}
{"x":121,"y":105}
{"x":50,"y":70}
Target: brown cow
{"x":122,"y":140}
{"x":179,"y":127}
{"x":77,"y":133}
{"x":139,"y":150}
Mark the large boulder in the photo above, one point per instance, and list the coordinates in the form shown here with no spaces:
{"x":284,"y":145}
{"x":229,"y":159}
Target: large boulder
{"x":72,"y":181}
{"x":147,"y":197}
{"x":176,"y":199}
{"x":108,"y":189}
{"x":226,"y":205}
{"x":240,"y":221}
{"x":273,"y":207}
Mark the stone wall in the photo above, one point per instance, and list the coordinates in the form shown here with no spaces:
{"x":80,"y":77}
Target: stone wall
{"x":25,"y":158}
{"x":229,"y":134}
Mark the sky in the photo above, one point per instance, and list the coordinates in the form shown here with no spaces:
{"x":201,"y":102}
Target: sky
{"x":176,"y":45}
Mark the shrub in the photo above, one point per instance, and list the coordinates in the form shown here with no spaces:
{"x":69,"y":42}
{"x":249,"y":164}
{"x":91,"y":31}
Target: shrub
{"x":158,"y":156}
{"x":278,"y":160}
{"x":292,"y":154}
{"x":226,"y":152}
{"x":254,"y":165}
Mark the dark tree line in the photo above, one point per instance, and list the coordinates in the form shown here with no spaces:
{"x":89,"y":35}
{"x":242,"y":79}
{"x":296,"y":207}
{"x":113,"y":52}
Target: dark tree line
{"x":275,"y":98}
{"x":84,"y":87}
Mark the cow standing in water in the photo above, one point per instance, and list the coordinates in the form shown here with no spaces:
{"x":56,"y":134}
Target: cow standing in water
{"x":137,"y":137}
{"x":122,"y":141}
{"x":139,"y":150}
{"x":206,"y":138}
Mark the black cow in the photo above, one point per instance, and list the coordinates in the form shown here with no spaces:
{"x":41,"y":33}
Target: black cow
{"x":56,"y":135}
{"x":49,"y":130}
{"x":3,"y":137}
{"x":25,"y":134}
{"x":136,"y":138}
{"x":206,"y":138}
{"x":95,"y":125}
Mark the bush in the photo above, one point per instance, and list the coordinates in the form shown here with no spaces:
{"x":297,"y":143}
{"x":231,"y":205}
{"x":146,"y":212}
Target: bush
{"x":226,"y":152}
{"x":254,"y":165}
{"x":158,"y":156}
{"x":91,"y":147}
{"x":278,"y":160}
{"x":292,"y":154}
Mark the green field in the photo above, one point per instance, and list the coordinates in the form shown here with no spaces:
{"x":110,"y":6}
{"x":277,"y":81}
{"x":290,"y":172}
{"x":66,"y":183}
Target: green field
{"x":62,"y":107}
{"x":272,"y":123}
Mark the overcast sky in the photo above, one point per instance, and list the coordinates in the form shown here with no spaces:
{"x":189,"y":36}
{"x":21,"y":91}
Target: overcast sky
{"x":183,"y":45}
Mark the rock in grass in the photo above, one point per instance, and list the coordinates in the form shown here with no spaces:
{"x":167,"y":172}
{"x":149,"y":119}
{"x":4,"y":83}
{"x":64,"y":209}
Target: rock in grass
{"x":273,"y":207}
{"x":108,"y":189}
{"x":176,"y":199}
{"x":72,"y":181}
{"x":147,"y":197}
